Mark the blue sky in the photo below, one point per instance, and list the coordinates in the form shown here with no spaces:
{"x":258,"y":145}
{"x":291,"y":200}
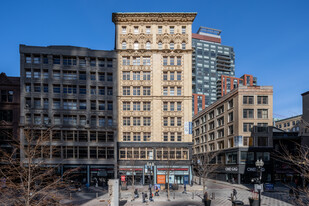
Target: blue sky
{"x":270,"y":37}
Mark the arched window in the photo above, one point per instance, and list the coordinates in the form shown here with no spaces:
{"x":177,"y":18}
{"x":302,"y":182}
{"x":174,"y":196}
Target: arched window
{"x":135,"y":45}
{"x":172,"y":45}
{"x":148,"y":45}
{"x":160,"y":45}
{"x":124,"y":45}
{"x":183,"y":45}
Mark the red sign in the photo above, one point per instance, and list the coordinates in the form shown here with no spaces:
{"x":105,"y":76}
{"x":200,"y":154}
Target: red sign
{"x":174,"y":169}
{"x":123,"y":178}
{"x":160,"y":179}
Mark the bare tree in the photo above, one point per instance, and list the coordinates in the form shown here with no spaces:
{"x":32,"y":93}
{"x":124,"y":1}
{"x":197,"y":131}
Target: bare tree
{"x":298,"y":160}
{"x":204,"y":165}
{"x":31,"y":179}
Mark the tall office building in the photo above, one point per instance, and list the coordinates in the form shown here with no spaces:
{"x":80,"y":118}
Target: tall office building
{"x":210,"y":60}
{"x":71,"y":90}
{"x":154,"y":96}
{"x":9,"y":111}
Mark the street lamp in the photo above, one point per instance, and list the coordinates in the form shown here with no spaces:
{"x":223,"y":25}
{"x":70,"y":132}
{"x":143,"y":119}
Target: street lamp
{"x":259,"y":164}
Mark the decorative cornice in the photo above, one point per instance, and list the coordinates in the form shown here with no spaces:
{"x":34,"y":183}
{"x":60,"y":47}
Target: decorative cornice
{"x":153,"y":17}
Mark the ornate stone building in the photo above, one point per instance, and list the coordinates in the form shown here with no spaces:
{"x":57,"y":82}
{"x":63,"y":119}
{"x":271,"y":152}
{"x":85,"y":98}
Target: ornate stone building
{"x":154,"y":95}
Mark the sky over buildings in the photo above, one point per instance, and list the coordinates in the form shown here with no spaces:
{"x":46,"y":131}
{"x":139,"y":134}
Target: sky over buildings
{"x":270,"y":38}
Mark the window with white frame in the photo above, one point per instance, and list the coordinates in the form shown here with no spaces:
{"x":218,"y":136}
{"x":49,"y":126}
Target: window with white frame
{"x":136,"y":30}
{"x":136,"y":45}
{"x":124,"y":30}
{"x":148,"y":45}
{"x":124,"y":45}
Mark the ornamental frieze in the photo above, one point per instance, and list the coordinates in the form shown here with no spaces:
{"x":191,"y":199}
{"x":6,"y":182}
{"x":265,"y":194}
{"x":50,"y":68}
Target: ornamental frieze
{"x":153,"y":17}
{"x":176,"y":38}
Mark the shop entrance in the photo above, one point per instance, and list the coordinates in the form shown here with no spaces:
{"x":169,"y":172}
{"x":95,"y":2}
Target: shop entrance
{"x":179,"y":179}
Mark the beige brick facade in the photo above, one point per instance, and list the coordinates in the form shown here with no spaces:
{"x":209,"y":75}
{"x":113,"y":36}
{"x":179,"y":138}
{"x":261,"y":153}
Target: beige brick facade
{"x":233,"y":115}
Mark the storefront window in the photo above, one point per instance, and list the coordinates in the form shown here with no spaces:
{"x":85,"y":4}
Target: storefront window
{"x":243,"y":157}
{"x":231,"y":158}
{"x":250,"y":158}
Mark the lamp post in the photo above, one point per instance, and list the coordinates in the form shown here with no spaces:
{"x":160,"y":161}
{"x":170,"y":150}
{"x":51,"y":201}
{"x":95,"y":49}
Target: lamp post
{"x":259,"y":164}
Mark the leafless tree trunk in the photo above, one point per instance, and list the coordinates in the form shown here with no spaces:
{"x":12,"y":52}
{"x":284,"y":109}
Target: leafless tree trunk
{"x":204,"y":165}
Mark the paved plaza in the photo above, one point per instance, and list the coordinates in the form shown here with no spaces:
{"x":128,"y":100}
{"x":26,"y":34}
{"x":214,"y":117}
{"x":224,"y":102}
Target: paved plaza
{"x":220,"y":190}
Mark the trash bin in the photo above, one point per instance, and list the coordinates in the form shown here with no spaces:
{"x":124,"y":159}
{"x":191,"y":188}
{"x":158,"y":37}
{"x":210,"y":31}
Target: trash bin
{"x":237,"y":202}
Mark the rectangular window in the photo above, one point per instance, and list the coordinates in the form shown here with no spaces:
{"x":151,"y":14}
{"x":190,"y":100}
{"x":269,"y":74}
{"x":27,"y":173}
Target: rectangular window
{"x":82,"y":105}
{"x":172,"y":91}
{"x":248,"y":100}
{"x":165,"y":106}
{"x":248,"y":113}
{"x":82,"y":89}
{"x":101,"y":62}
{"x":136,"y":136}
{"x":147,"y":121}
{"x":126,"y":106}
{"x":126,"y":121}
{"x":178,"y":121}
{"x":147,"y":137}
{"x":146,"y":106}
{"x":178,"y":91}
{"x":146,"y":91}
{"x":136,"y":61}
{"x":262,"y":113}
{"x":178,"y":61}
{"x":102,"y":77}
{"x":6,"y":115}
{"x":136,"y":121}
{"x":125,"y":61}
{"x":56,"y":60}
{"x":82,"y":61}
{"x":56,"y":89}
{"x":125,"y":91}
{"x":124,"y":30}
{"x":37,"y":88}
{"x":165,"y":137}
{"x":69,"y":89}
{"x":110,"y":106}
{"x":183,"y":29}
{"x":126,"y":136}
{"x":101,"y":105}
{"x":28,"y":60}
{"x":247,"y":127}
{"x":146,"y":61}
{"x":172,"y":61}
{"x":164,"y":61}
{"x":109,"y":77}
{"x":109,"y":91}
{"x":136,"y":91}
{"x":56,"y":75}
{"x":165,"y":91}
{"x":93,"y":76}
{"x":178,"y":106}
{"x":93,"y":90}
{"x":178,"y":76}
{"x":136,"y":30}
{"x":172,"y":121}
{"x":165,"y":121}
{"x":136,"y":106}
{"x":159,"y":29}
{"x":179,"y":138}
{"x":82,"y":76}
{"x":171,"y":30}
{"x":147,"y":29}
{"x":101,"y":121}
{"x":56,"y":104}
{"x":136,"y":76}
{"x":146,"y":75}
{"x":125,"y":75}
{"x":172,"y":137}
{"x":165,"y":76}
{"x":101,"y":90}
{"x":262,"y":99}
